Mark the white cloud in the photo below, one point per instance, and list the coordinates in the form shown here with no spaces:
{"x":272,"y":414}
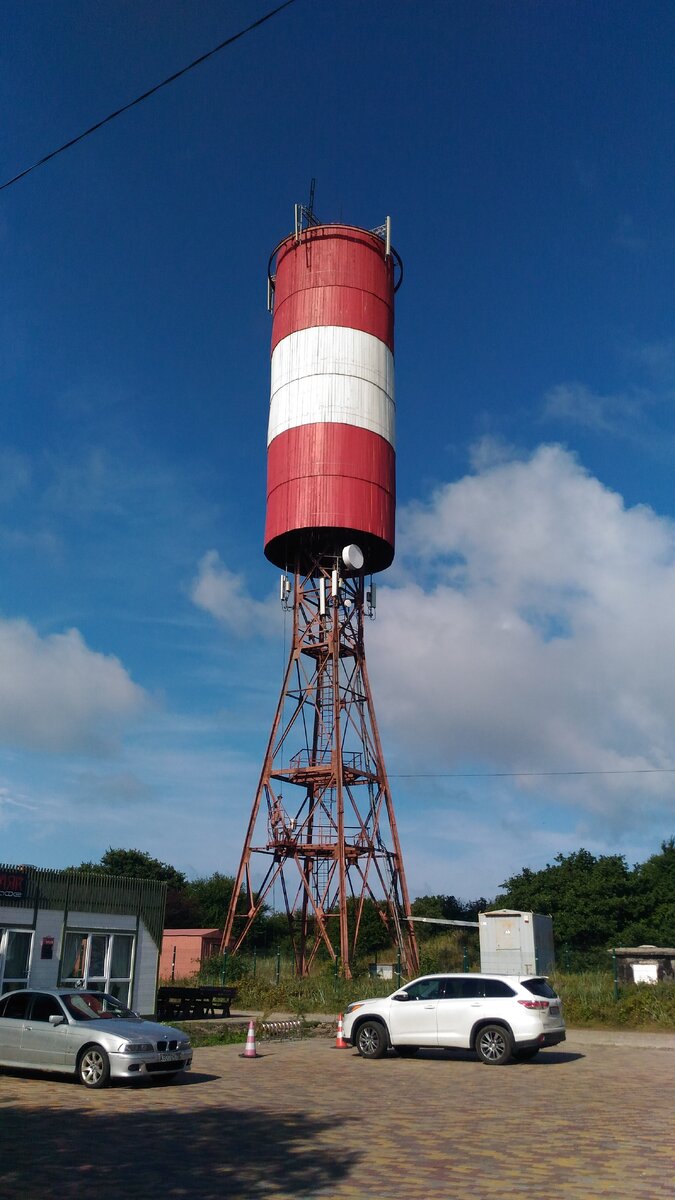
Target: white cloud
{"x":490,"y":450}
{"x":577,"y":404}
{"x":224,"y":594}
{"x":56,"y":694}
{"x":659,"y":360}
{"x":534,"y":632}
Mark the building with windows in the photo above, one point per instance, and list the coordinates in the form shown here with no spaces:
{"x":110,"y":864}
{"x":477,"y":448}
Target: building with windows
{"x":75,"y":929}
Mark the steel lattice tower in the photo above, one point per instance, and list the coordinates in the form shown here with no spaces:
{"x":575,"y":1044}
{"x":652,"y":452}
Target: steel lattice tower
{"x":323,"y":821}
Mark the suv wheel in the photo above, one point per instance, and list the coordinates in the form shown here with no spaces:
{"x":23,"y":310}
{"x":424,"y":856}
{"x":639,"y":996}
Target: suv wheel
{"x":494,"y":1045}
{"x":371,"y":1040}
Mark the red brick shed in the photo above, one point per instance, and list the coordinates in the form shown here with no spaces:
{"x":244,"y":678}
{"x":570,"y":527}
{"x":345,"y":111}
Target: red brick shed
{"x":184,"y":951}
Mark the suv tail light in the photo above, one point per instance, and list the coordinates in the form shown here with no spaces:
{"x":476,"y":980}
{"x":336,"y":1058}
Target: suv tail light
{"x":534,"y":1003}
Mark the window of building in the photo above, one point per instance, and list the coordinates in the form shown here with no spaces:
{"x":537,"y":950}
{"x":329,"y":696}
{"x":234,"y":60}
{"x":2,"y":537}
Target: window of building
{"x":101,"y":962}
{"x":15,"y":947}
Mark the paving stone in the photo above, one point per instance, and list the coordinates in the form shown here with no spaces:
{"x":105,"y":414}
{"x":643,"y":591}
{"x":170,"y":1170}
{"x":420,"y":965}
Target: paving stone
{"x":583,"y":1121}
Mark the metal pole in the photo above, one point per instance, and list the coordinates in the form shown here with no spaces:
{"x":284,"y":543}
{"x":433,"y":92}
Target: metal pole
{"x":173,"y":965}
{"x":223,"y":970}
{"x":398,"y":967}
{"x":616,"y":976}
{"x":466,"y":958}
{"x":278,"y":965}
{"x":254,"y":960}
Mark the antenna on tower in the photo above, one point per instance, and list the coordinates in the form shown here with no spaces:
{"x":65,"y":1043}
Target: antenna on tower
{"x":304,"y":213}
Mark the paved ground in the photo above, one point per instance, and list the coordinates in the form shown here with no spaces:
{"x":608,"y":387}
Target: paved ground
{"x":308,"y":1121}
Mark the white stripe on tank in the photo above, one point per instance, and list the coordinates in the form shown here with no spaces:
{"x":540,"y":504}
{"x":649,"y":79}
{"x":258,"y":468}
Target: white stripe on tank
{"x":330,"y":373}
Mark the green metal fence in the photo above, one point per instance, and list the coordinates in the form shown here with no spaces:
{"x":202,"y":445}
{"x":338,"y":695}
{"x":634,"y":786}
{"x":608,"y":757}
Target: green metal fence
{"x":71,"y":891}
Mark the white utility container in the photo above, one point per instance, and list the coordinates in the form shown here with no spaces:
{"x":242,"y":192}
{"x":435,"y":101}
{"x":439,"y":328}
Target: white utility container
{"x":515,"y":943}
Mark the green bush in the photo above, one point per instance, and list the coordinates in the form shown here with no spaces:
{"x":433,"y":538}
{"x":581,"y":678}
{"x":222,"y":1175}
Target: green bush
{"x":588,"y":999}
{"x":446,"y":952}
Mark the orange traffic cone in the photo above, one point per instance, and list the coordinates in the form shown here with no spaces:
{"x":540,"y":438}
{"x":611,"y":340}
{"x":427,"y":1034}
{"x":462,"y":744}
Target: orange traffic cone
{"x":340,"y":1043}
{"x":250,"y":1050}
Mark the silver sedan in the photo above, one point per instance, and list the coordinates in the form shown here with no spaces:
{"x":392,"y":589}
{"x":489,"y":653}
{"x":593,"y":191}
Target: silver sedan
{"x":89,"y":1034}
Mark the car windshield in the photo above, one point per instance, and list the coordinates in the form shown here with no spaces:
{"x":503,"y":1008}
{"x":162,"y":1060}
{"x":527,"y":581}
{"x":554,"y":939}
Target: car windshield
{"x":94,"y":1006}
{"x":539,"y":987}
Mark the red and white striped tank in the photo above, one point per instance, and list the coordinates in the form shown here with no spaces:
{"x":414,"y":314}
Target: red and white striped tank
{"x":331,"y":457}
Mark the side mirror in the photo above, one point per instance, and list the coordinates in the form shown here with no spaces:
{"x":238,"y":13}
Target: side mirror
{"x":401,"y":996}
{"x":56,"y":1019}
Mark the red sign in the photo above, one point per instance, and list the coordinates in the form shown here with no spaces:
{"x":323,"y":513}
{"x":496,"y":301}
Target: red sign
{"x":12,"y":885}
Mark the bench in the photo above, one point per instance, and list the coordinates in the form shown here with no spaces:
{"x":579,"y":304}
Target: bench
{"x":194,"y":1003}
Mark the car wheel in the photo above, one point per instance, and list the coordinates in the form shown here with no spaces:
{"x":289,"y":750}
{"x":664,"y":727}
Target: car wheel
{"x":406,"y":1051}
{"x":526,"y":1054}
{"x":493,"y":1045}
{"x":371,"y":1040}
{"x":93,"y":1067}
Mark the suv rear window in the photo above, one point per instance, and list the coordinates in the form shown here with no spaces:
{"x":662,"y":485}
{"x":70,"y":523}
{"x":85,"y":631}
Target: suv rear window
{"x":491,"y":988}
{"x":474,"y":987}
{"x":539,"y":987}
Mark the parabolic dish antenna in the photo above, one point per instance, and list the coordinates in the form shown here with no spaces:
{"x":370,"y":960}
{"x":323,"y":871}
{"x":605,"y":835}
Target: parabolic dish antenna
{"x":352,"y":557}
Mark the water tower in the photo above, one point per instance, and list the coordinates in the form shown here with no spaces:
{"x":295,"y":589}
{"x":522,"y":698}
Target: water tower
{"x":322,"y":832}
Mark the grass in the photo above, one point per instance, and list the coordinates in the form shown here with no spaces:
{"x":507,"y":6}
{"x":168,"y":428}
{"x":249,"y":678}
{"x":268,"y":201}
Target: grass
{"x":212,"y":1035}
{"x":588,"y":999}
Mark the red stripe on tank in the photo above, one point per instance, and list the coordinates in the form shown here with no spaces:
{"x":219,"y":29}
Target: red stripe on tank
{"x":334,"y":276}
{"x":331,"y":475}
{"x":351,"y":307}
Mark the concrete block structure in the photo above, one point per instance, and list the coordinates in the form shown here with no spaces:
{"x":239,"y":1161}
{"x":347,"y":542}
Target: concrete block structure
{"x":645,"y":964}
{"x":184,"y":951}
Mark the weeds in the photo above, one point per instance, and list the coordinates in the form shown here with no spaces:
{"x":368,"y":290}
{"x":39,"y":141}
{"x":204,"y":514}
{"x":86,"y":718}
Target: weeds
{"x":588,"y":999}
{"x":587,"y":996}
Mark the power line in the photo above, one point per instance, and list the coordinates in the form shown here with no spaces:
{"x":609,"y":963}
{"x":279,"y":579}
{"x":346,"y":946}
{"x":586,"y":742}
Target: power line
{"x":151,"y":91}
{"x":531,"y":774}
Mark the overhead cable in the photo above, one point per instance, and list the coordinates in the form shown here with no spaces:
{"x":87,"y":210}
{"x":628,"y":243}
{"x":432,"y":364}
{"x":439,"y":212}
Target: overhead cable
{"x":150,"y":92}
{"x":529,"y":774}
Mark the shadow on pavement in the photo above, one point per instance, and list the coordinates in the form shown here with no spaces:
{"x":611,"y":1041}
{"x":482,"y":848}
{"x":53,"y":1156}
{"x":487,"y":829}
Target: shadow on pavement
{"x":204,"y":1154}
{"x":547,"y":1058}
{"x":145,"y":1081}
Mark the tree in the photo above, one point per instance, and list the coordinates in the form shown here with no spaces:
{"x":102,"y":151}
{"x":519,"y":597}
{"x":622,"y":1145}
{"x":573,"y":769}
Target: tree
{"x":590,"y":899}
{"x":654,"y":900}
{"x":373,"y":933}
{"x":136,"y":864}
{"x":449,"y":908}
{"x":211,"y":894}
{"x":181,"y":910}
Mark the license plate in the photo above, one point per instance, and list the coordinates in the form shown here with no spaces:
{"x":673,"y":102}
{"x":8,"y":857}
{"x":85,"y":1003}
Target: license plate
{"x":172,"y":1057}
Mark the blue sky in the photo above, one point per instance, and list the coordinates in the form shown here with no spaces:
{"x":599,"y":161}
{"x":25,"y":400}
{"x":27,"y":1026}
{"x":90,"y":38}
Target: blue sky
{"x":524,"y":153}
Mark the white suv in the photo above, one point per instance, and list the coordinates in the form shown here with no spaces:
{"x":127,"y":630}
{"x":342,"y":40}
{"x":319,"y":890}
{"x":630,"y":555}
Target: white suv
{"x":499,"y":1016}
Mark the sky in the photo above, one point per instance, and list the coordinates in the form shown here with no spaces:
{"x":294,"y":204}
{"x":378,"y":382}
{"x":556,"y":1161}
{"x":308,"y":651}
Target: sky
{"x":523,"y":655}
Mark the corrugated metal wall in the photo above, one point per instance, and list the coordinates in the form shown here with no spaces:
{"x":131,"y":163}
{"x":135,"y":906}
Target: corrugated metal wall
{"x":71,"y":890}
